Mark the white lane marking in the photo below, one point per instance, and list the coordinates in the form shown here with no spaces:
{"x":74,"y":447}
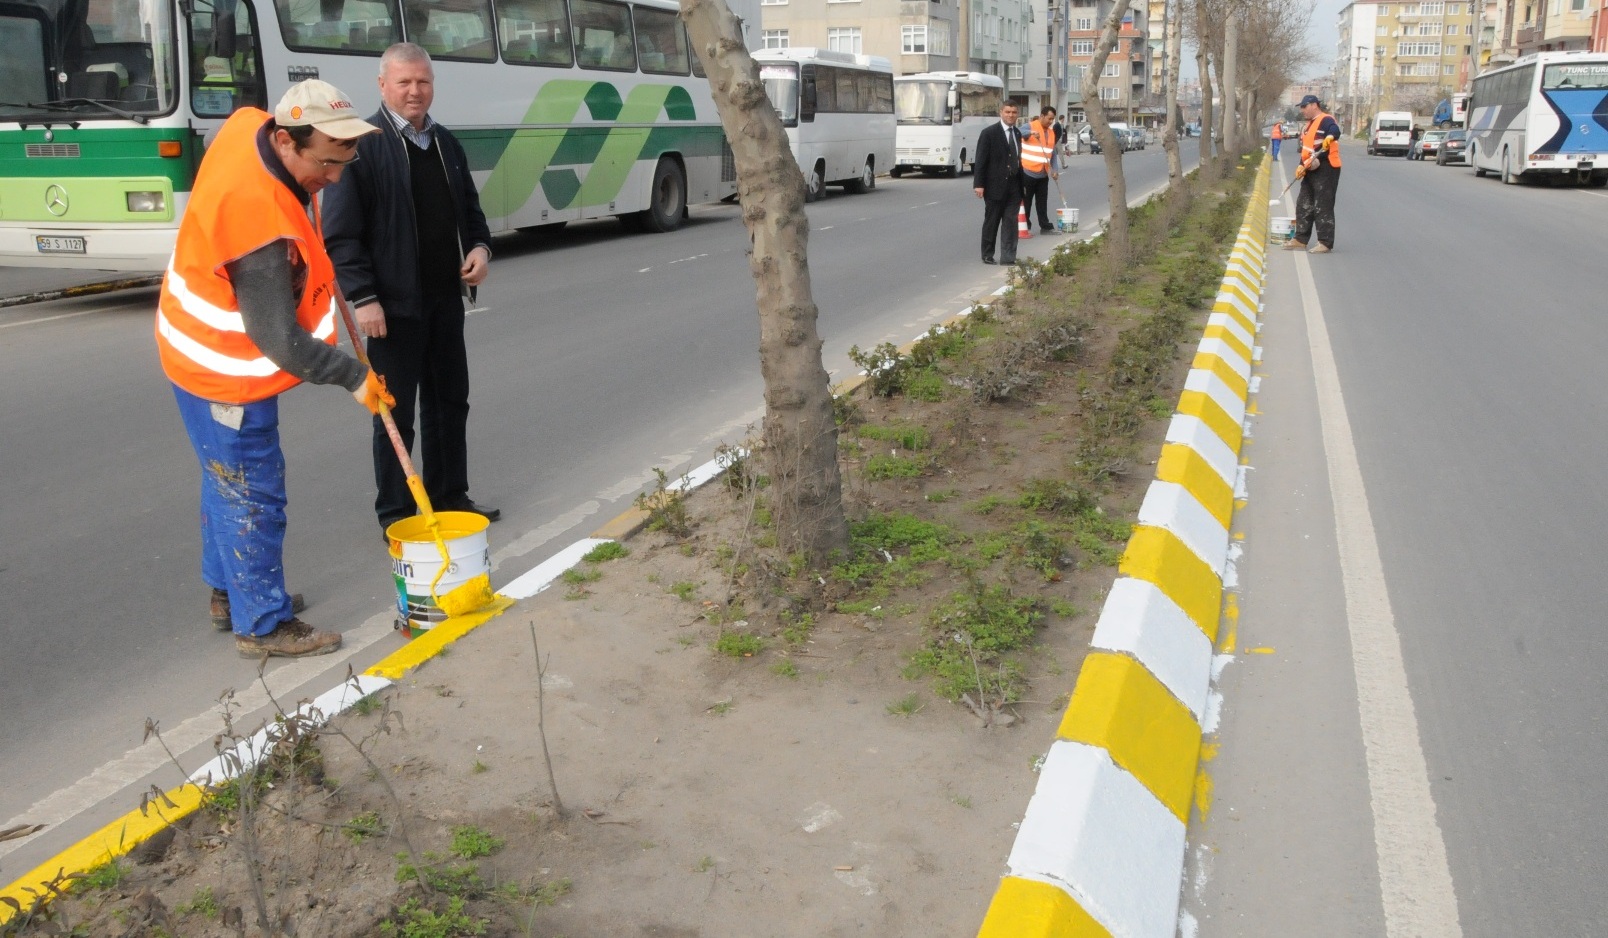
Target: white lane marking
{"x":1414,"y":877}
{"x":1600,"y":195}
{"x":35,"y":322}
{"x":535,"y":538}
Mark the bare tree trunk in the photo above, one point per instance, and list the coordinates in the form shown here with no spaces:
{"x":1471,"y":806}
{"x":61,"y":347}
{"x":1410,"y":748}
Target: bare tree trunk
{"x":800,"y":434}
{"x":1230,"y":89}
{"x":1203,"y":66}
{"x":1116,"y":183}
{"x":1174,"y":53}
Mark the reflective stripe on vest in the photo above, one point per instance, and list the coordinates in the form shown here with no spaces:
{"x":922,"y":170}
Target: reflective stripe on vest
{"x":1037,"y":148}
{"x":236,"y":207}
{"x":1309,"y":141}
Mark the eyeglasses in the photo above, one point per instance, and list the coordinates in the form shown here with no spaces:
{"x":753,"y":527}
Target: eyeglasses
{"x":337,"y":164}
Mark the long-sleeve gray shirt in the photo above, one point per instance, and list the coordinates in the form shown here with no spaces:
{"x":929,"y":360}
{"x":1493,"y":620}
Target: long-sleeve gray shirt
{"x":263,"y":284}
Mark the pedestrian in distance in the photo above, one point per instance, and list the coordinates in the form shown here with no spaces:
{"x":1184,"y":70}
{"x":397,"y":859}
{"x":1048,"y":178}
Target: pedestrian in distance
{"x":1275,"y":138}
{"x":1320,"y":178}
{"x":410,"y":244}
{"x":1040,"y":164}
{"x":247,"y":312}
{"x":997,"y":175}
{"x":1412,"y":140}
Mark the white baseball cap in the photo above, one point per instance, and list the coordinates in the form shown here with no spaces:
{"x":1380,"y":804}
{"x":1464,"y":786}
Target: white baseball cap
{"x":314,"y":103}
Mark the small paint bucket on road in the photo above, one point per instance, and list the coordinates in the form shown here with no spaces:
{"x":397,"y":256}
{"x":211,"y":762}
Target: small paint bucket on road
{"x":1280,"y":229}
{"x":415,"y":560}
{"x":1066,"y":219}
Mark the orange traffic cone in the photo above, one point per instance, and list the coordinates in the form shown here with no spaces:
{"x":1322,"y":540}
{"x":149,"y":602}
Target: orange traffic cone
{"x":1023,"y":230}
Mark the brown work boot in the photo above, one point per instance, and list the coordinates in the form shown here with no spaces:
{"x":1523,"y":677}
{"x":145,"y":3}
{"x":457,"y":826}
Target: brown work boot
{"x":220,"y":608}
{"x":1295,"y":246}
{"x":292,"y":639}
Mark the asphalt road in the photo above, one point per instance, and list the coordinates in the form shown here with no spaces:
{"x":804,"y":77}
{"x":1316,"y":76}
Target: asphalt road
{"x":599,"y":356}
{"x":1467,"y":343}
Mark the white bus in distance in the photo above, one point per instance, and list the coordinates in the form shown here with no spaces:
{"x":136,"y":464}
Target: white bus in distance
{"x":838,"y":111}
{"x":1542,"y":116}
{"x":940,"y":115}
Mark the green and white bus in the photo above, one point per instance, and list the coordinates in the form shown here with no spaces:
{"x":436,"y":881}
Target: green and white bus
{"x":568,"y":109}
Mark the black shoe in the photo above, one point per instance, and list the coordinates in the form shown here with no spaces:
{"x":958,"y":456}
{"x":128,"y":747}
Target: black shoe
{"x":988,"y":260}
{"x":468,"y":504}
{"x":1046,"y":229}
{"x":1008,"y":262}
{"x":220,"y":608}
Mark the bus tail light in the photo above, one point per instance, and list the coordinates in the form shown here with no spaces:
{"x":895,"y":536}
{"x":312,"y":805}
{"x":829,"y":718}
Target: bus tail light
{"x":169,"y":148}
{"x":146,"y":202}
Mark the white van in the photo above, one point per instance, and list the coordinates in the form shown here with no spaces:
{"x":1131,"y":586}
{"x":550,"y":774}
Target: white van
{"x":1392,"y":133}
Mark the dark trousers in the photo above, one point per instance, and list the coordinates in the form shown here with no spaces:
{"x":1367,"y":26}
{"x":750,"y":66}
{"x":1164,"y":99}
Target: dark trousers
{"x":424,"y":361}
{"x":995,"y":211}
{"x":1036,"y":193}
{"x":1314,"y":208}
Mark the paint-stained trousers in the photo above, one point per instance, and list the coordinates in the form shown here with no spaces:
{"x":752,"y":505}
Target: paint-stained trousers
{"x":242,"y":506}
{"x":1314,"y":208}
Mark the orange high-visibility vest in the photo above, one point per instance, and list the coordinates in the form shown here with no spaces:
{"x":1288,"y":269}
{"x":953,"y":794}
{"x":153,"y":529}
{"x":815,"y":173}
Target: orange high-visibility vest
{"x":1309,"y":142}
{"x":1278,"y":131}
{"x":1037,"y":147}
{"x":236,"y":206}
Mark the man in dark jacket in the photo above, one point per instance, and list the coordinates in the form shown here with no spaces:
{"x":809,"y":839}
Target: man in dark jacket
{"x":406,"y":271}
{"x":997,"y":174}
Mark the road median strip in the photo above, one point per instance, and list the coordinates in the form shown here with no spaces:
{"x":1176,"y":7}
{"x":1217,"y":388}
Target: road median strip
{"x":1100,"y":850}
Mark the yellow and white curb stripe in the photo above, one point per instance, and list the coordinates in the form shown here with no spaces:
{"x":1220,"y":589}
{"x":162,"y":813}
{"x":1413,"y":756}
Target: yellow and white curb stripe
{"x":1100,"y":850}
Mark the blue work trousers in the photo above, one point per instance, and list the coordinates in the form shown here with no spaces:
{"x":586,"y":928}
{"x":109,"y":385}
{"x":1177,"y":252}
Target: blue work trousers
{"x":1276,"y":141}
{"x":242,"y":506}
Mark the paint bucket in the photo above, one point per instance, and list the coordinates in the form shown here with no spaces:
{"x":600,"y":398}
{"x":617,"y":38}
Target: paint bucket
{"x":1281,"y":229}
{"x":415,"y":559}
{"x":1066,"y":219}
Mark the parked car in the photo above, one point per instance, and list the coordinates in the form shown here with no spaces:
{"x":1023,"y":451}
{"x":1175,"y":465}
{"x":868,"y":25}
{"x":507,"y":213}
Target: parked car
{"x":1454,"y":149}
{"x":1427,"y":145}
{"x":1088,"y":140}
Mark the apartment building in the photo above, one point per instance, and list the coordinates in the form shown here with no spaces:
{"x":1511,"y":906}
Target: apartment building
{"x":1553,"y":25}
{"x":1125,"y":81}
{"x":993,"y":36}
{"x":1404,"y":56}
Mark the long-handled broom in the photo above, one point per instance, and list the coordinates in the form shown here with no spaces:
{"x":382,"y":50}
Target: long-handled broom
{"x":459,"y":600}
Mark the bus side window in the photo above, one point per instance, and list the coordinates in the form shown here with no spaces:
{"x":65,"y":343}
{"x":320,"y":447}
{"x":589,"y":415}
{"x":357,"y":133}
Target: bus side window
{"x":807,"y":97}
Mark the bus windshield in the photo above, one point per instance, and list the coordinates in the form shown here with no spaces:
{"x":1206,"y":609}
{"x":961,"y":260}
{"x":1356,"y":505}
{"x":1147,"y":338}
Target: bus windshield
{"x":1592,"y":76}
{"x":86,"y":60}
{"x":921,"y":102}
{"x":781,"y":86}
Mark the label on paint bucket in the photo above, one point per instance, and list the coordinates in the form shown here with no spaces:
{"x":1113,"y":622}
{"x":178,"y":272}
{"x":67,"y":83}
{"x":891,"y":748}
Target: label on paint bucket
{"x":1066,"y":219}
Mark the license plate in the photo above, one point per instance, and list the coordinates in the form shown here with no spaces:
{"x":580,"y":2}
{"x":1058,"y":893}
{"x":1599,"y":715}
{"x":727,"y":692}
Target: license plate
{"x":53,"y":244}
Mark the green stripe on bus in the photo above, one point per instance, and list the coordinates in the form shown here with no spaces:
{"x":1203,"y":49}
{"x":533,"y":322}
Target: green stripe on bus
{"x":102,"y":152}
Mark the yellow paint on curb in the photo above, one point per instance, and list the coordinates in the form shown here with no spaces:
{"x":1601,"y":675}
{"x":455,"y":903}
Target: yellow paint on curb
{"x":1026,"y":908}
{"x":1182,"y":465}
{"x":1230,"y":339}
{"x":1217,"y":365}
{"x":623,"y":525}
{"x":1121,"y":707}
{"x":1157,"y":556}
{"x":114,"y":840}
{"x":1200,"y":404}
{"x":1230,"y":622}
{"x":428,"y":645}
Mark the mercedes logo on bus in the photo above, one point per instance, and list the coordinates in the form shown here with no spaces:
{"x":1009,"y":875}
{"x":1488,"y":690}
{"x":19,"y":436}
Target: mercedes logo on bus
{"x":56,"y":200}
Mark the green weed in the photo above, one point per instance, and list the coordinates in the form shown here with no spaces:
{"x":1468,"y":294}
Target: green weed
{"x":606,"y":551}
{"x":739,"y":645}
{"x":470,"y":842}
{"x":414,"y":919}
{"x":908,"y":705}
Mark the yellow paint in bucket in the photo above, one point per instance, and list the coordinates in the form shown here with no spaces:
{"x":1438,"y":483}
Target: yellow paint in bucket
{"x":416,"y":559}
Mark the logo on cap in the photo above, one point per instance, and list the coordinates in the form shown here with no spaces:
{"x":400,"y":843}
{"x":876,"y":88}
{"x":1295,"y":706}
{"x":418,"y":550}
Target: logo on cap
{"x":337,"y":104}
{"x":295,"y":112}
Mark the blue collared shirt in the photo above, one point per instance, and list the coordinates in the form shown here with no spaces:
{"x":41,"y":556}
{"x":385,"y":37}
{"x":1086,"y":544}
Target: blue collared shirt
{"x":420,"y":138}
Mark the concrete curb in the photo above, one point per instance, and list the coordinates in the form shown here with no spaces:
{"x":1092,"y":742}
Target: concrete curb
{"x":1100,"y":850}
{"x":83,"y":289}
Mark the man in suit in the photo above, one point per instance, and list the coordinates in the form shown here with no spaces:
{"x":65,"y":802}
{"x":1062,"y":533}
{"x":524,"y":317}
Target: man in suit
{"x":997,"y":175}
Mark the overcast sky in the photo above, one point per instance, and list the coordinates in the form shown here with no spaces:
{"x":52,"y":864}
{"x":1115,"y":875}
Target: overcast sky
{"x":1323,"y":35}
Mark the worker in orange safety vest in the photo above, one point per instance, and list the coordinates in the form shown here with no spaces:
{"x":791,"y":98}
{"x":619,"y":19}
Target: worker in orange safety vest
{"x":1039,"y":165}
{"x":247,"y":312}
{"x":1320,"y":178}
{"x":1275,"y":138}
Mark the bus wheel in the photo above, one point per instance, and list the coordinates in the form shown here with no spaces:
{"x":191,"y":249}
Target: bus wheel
{"x":867,"y":180}
{"x":667,"y":200}
{"x":1509,"y":177}
{"x":1598,"y":180}
{"x":953,"y":169}
{"x":815,"y":183}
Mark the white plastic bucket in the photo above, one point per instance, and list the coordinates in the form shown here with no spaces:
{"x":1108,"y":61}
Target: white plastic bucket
{"x":1066,"y":219}
{"x":1280,"y":229}
{"x":415,"y":559}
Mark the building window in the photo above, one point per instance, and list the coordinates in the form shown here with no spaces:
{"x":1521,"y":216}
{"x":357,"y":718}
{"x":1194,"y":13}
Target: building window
{"x":1447,"y":69}
{"x":1083,"y":47}
{"x":1382,"y":31}
{"x":1432,"y":9}
{"x":843,"y":39}
{"x":1384,"y":9}
{"x":1084,"y":22}
{"x":1577,"y":6}
{"x":1110,"y":94}
{"x":1013,"y":72}
{"x":776,"y":39}
{"x":1454,"y":9}
{"x":913,"y":40}
{"x":842,"y":1}
{"x":1468,"y":30}
{"x":1111,"y":70}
